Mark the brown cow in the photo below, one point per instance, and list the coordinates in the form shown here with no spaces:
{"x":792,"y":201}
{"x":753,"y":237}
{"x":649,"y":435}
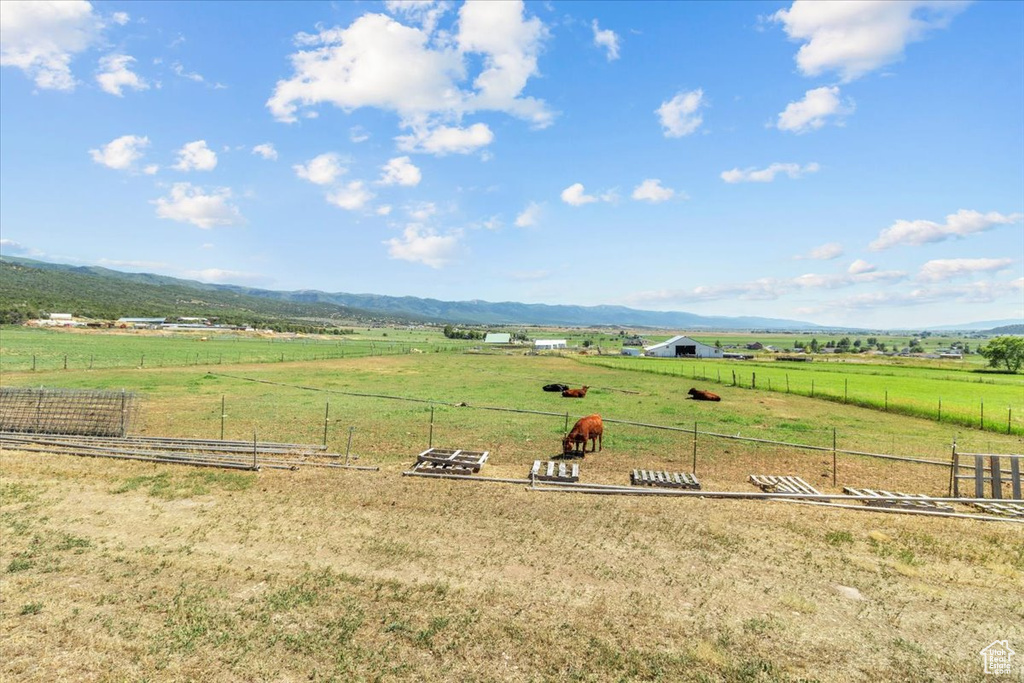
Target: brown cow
{"x":586,"y":428}
{"x":701,"y":395}
{"x":575,"y":393}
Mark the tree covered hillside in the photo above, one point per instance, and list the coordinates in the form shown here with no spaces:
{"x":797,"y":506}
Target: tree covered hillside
{"x":28,"y":292}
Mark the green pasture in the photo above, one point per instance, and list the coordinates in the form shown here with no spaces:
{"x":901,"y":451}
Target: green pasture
{"x":24,"y":349}
{"x":949,"y":395}
{"x":389,"y":402}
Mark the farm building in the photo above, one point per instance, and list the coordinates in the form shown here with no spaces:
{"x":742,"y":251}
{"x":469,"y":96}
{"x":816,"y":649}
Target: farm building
{"x":548,"y":344}
{"x":682,"y":347}
{"x":498,"y":338}
{"x":630,"y":352}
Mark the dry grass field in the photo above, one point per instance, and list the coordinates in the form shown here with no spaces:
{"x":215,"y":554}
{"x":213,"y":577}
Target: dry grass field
{"x":118,"y":571}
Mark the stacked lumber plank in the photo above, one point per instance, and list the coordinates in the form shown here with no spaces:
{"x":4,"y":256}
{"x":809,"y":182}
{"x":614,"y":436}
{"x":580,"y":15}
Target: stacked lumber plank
{"x":677,"y":480}
{"x":450,"y":461}
{"x":554,"y":471}
{"x":782,"y":484}
{"x":912,"y":501}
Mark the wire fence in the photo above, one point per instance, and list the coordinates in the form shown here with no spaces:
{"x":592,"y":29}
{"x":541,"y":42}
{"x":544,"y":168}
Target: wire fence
{"x":67,"y":411}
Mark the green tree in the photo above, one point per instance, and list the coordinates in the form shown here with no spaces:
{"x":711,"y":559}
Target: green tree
{"x":1004,"y":351}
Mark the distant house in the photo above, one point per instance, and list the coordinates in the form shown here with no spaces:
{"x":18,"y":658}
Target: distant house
{"x":549,"y":344}
{"x":755,"y":346}
{"x":63,"y":317}
{"x":498,"y":338}
{"x":682,"y":347}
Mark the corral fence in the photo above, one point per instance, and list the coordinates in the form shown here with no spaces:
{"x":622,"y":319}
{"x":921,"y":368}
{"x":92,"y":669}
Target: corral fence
{"x":67,"y":411}
{"x":698,"y":449}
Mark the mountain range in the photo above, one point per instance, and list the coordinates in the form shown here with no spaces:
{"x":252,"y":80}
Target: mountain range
{"x":34,"y":286}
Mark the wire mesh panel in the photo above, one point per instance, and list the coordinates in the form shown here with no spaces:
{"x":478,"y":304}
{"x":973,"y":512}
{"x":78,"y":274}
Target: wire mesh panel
{"x":67,"y":411}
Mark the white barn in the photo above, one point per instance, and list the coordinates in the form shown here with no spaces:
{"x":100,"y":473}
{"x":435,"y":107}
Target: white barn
{"x":498,"y":338}
{"x":546,"y":344}
{"x":682,"y":347}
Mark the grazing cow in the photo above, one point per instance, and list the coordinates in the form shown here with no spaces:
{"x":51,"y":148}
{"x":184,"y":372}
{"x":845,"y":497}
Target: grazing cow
{"x":701,"y":395}
{"x":586,"y":428}
{"x":555,"y":387}
{"x":575,"y":393}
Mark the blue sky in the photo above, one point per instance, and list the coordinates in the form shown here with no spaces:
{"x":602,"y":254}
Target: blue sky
{"x":847,"y":163}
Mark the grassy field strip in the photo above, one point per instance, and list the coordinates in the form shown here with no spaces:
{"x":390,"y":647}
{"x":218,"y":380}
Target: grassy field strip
{"x":42,"y":350}
{"x":910,"y":391}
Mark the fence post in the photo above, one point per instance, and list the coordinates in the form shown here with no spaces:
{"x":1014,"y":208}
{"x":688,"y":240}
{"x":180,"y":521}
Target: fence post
{"x":327,"y":414}
{"x":33,"y":362}
{"x":122,"y":411}
{"x":887,"y":400}
{"x":753,"y":380}
{"x":954,"y":483}
{"x":348,"y":447}
{"x":430,"y":440}
{"x":940,"y":409}
{"x":982,"y":413}
{"x":833,"y":456}
{"x":694,"y":470}
{"x":566,"y":429}
{"x":812,"y":388}
{"x":1009,"y":414}
{"x":65,"y":361}
{"x":846,"y":388}
{"x":222,"y":416}
{"x":787,"y":382}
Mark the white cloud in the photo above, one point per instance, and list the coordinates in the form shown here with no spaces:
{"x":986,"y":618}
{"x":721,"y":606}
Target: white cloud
{"x":351,"y":197}
{"x":383,"y":210}
{"x":442,"y":140}
{"x":196,"y":156}
{"x":10,"y":247}
{"x":190,"y":204}
{"x":679,"y":116}
{"x":120,"y":18}
{"x":121,"y":153}
{"x":529,"y":216}
{"x":423,"y":245}
{"x":860,"y":266}
{"x":321,"y":170}
{"x":379,"y":62}
{"x":426,"y":13}
{"x":421,"y":211}
{"x":151,"y":169}
{"x":574,"y":195}
{"x":41,"y":38}
{"x":946,"y":269}
{"x":652,"y":191}
{"x":400,"y":171}
{"x":266,"y":150}
{"x":606,"y":39}
{"x":115,"y":75}
{"x":854,"y":38}
{"x":959,"y":224}
{"x":825,"y":252}
{"x":767,"y":175}
{"x":814,"y":110}
{"x":221,"y":276}
{"x":358,"y":134}
{"x":179,"y":70}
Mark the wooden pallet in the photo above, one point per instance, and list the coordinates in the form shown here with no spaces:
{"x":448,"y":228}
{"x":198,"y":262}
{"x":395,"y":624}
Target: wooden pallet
{"x":450,"y":468}
{"x":456,"y":458}
{"x":785,"y":484}
{"x":676,"y":480}
{"x":914,"y":501}
{"x":554,"y":471}
{"x":1015,"y":510}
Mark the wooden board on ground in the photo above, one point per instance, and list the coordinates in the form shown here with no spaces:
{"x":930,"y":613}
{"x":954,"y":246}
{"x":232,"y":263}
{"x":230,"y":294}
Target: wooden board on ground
{"x":1015,"y":510}
{"x":554,"y":471}
{"x":450,"y":468}
{"x":913,"y":501}
{"x":783,"y":484}
{"x":453,"y":457}
{"x":676,"y":480}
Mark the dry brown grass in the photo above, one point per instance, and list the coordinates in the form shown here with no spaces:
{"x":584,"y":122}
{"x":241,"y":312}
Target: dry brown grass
{"x":116,"y":571}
